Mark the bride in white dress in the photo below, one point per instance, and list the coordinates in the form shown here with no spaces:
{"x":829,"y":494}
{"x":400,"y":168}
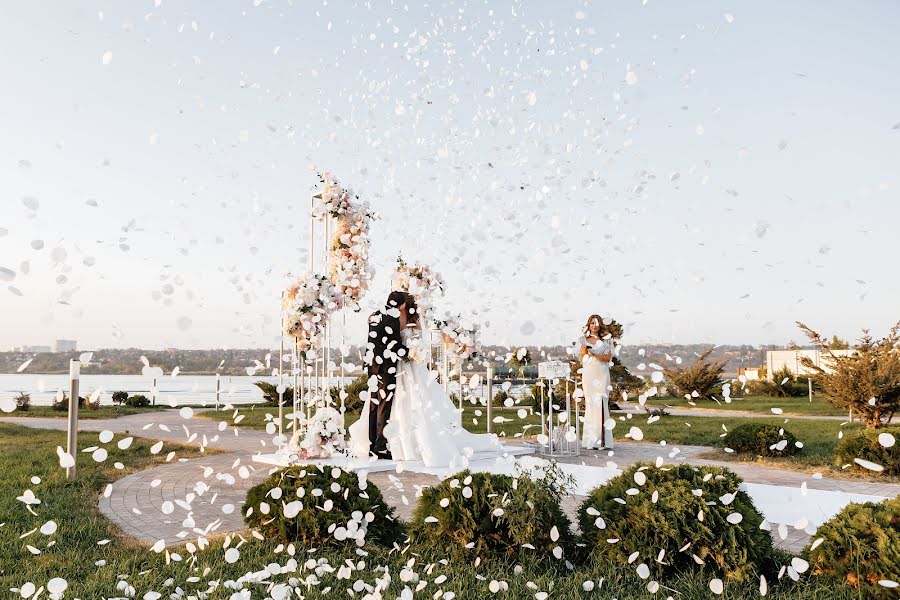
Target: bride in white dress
{"x":595,"y":357}
{"x":424,"y":424}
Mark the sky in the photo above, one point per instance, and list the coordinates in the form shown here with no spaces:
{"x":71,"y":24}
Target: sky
{"x":701,"y":172}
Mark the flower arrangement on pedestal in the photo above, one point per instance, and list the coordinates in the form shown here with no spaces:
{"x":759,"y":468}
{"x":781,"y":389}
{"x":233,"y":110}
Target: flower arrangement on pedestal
{"x":325,"y":436}
{"x":460,"y":337}
{"x":348,"y":254}
{"x":420,"y":281}
{"x":307,"y":303}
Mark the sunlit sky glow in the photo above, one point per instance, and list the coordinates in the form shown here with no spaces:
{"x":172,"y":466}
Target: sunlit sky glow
{"x":701,"y":172}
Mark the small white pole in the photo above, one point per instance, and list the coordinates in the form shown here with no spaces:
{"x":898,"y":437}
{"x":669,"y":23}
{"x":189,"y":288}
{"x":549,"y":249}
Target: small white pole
{"x":218,"y":390}
{"x":281,"y":378}
{"x":543,"y":426}
{"x":153,"y":393}
{"x":72,"y":434}
{"x":809,"y":381}
{"x":446,"y":374}
{"x":343,"y":383}
{"x":296,"y":369}
{"x":490,"y":398}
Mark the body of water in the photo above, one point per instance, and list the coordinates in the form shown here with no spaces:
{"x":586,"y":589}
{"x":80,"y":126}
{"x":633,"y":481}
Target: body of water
{"x":173,"y":391}
{"x":180,"y":390}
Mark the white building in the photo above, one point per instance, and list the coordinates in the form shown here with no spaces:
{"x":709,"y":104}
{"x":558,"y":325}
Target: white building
{"x":778,"y":359}
{"x":65,"y":346}
{"x":33,"y":349}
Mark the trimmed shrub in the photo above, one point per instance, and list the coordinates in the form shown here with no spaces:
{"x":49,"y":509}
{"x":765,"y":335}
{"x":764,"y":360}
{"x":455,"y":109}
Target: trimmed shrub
{"x":120,"y":397}
{"x":314,"y":506}
{"x":865,"y":445}
{"x":498,"y":514}
{"x":63,"y":403}
{"x":138,"y":401}
{"x":673,"y":527}
{"x":500,"y":397}
{"x":762,"y":440}
{"x":861,"y":546}
{"x":23,"y":401}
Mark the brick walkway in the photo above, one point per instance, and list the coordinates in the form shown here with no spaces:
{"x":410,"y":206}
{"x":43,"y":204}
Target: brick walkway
{"x":178,"y":502}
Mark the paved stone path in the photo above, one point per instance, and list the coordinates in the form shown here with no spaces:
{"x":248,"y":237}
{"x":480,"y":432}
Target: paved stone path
{"x":177,"y":502}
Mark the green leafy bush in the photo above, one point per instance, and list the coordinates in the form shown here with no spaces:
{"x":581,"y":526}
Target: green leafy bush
{"x":138,"y":401}
{"x":499,"y":514}
{"x":270,"y":392}
{"x":761,"y":440}
{"x":315,"y":506}
{"x":861,"y":546}
{"x":784,"y":385}
{"x":352,"y":403}
{"x":63,"y":403}
{"x":559,"y":395}
{"x":500,"y":397}
{"x":678,"y":516}
{"x":23,"y":401}
{"x":703,"y":378}
{"x":865,"y":445}
{"x":120,"y":397}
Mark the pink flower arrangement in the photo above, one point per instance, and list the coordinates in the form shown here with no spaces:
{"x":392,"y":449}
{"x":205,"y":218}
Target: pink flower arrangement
{"x":421,"y":282}
{"x":306,"y":304}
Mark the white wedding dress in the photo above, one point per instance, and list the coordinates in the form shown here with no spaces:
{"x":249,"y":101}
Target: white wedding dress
{"x":595,"y":382}
{"x":424,"y":425}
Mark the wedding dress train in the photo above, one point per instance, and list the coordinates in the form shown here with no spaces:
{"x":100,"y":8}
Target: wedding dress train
{"x":424,"y":424}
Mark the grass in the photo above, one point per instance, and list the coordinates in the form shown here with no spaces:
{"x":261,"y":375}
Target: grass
{"x":104,"y":412}
{"x":95,"y":570}
{"x":756,"y":404}
{"x":819,"y":436}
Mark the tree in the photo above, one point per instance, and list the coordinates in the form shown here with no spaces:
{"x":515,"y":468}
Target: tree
{"x":867,"y":381}
{"x":120,"y":397}
{"x":703,"y":377}
{"x":837,"y":343}
{"x":520,"y":359}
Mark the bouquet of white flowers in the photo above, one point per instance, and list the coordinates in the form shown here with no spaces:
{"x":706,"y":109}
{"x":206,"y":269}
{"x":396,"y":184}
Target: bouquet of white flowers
{"x":325,"y":436}
{"x":461,"y":338}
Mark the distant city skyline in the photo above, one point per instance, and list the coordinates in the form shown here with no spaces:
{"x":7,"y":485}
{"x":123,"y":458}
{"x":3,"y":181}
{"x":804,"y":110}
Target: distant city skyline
{"x":701,"y":174}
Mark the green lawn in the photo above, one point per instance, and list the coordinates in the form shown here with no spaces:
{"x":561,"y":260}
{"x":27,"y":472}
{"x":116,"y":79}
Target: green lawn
{"x":819,"y":436}
{"x":104,"y":412}
{"x":92,"y":555}
{"x":761,"y":404}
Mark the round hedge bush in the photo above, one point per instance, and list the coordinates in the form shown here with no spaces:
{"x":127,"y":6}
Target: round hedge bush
{"x":860,"y":545}
{"x":315,"y":506}
{"x":762,"y":440}
{"x":865,"y":445}
{"x":492,"y":513}
{"x":654,"y":510}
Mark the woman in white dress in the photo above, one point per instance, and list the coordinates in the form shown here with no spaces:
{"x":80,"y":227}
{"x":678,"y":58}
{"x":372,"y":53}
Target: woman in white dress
{"x":424,"y":425}
{"x":595,"y":355}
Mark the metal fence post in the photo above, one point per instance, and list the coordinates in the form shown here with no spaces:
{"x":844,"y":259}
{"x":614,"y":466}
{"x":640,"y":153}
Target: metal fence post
{"x":72,"y":436}
{"x":490,"y":398}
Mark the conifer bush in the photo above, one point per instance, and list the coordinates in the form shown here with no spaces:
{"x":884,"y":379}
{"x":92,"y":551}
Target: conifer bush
{"x":761,"y":440}
{"x":860,"y":546}
{"x":495,"y":514}
{"x":314,"y":506}
{"x":866,"y":445}
{"x":678,"y":519}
